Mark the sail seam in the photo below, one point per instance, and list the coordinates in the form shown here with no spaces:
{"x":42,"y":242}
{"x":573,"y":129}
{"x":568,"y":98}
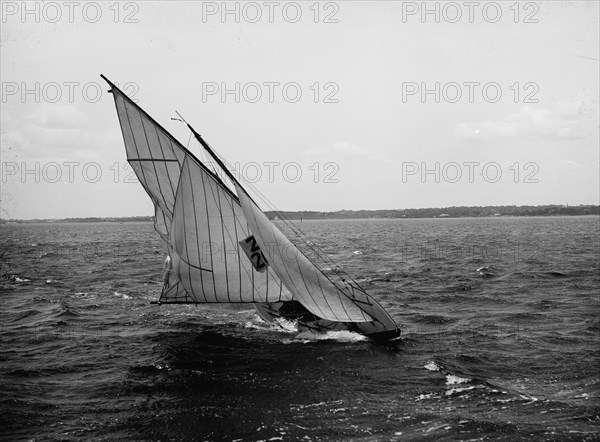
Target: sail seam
{"x":197,"y":267}
{"x":156,"y":160}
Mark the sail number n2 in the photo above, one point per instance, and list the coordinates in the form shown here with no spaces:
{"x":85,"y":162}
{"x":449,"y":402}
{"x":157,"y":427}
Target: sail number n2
{"x":252,"y":250}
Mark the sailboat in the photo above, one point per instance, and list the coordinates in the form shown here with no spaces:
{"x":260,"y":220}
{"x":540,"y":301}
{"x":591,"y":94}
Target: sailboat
{"x":222,"y":248}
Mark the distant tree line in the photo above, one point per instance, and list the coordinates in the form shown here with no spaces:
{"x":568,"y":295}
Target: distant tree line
{"x":444,"y":212}
{"x":93,"y":219}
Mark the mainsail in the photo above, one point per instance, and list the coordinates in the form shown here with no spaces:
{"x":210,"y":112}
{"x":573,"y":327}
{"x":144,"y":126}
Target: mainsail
{"x":223,"y":248}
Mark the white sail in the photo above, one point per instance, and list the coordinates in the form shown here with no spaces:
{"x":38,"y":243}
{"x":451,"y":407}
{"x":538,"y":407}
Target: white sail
{"x":307,"y":283}
{"x":199,"y":218}
{"x":208,"y":225}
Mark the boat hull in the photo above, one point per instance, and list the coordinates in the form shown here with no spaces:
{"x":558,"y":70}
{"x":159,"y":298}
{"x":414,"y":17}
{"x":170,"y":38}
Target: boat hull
{"x":383,"y":329}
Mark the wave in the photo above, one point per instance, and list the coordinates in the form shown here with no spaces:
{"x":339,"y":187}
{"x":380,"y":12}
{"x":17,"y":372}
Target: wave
{"x":19,"y":316}
{"x":343,"y":336}
{"x":487,"y":271}
{"x":68,"y":312}
{"x":121,"y":295}
{"x":433,"y":319}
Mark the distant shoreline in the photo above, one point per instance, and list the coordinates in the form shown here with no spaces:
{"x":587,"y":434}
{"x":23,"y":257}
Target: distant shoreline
{"x":444,"y":212}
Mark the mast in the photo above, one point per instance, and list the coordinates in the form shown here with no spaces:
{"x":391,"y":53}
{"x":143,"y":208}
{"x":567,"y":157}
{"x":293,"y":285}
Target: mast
{"x":218,"y":160}
{"x":214,"y":155}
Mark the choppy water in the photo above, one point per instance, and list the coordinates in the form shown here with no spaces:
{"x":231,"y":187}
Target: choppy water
{"x":500,"y":319}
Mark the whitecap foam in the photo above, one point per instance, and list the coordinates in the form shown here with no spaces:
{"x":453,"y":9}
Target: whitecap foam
{"x":432,"y":366}
{"x":338,"y":336}
{"x":453,"y":380}
{"x":437,"y":427}
{"x":254,"y":325}
{"x":278,"y":324}
{"x":459,"y":390}
{"x":122,"y":295}
{"x":526,"y":397}
{"x":286,"y":324}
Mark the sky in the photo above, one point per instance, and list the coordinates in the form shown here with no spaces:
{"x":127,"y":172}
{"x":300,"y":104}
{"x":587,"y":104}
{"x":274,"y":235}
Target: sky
{"x":320,"y":106}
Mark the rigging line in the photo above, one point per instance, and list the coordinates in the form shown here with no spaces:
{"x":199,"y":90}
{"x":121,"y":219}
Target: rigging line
{"x":339,"y":297}
{"x":326,"y":276}
{"x":308,"y":241}
{"x":324,"y":257}
{"x":338,"y":291}
{"x":322,"y":254}
{"x":158,"y":160}
{"x":187,"y":145}
{"x":287,"y":221}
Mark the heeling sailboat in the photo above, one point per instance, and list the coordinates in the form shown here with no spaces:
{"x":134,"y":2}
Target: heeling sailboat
{"x":223,"y":248}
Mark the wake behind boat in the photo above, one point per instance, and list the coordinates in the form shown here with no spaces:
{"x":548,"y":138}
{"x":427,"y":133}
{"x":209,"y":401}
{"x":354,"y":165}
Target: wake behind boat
{"x":223,"y":248}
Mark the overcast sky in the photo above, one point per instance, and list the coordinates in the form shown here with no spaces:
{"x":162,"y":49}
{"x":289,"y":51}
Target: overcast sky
{"x":323,"y":106}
